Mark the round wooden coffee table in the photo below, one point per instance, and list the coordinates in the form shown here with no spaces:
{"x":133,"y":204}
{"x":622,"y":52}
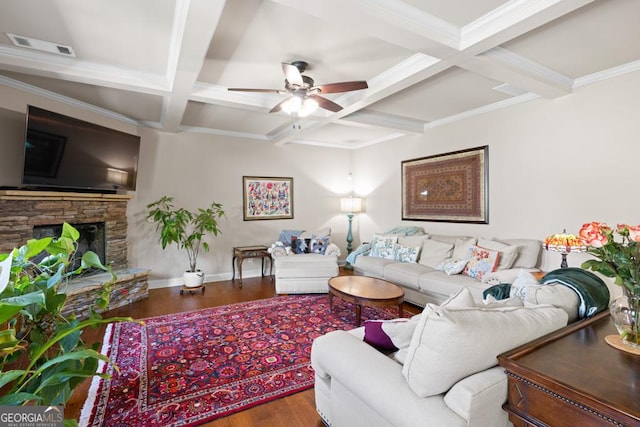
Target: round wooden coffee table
{"x":365,"y":291}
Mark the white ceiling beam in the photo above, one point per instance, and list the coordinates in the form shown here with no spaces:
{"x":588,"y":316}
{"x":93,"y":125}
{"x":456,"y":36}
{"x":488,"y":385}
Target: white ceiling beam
{"x":194,"y":26}
{"x":371,"y":119}
{"x":513,"y":19}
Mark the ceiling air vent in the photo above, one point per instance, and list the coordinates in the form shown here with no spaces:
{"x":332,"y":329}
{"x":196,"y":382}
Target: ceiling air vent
{"x":41,"y":45}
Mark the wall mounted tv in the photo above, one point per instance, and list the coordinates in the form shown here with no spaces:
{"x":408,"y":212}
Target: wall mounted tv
{"x":67,"y":153}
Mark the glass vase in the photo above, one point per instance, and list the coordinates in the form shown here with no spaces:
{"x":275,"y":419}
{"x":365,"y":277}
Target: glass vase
{"x":625,"y":313}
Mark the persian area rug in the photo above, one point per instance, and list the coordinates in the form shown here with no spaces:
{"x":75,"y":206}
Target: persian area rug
{"x":188,"y":368}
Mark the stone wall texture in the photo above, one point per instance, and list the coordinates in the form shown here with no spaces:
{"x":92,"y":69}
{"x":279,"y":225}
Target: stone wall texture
{"x":20,"y":211}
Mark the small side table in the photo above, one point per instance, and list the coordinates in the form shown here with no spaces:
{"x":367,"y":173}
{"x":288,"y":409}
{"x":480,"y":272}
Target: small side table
{"x":240,"y":253}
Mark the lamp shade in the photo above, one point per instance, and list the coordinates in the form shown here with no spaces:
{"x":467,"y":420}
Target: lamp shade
{"x":351,"y":204}
{"x":564,"y":243}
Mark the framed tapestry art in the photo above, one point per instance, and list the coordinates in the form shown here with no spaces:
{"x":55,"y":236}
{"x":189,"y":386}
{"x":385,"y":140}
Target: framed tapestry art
{"x":267,"y":198}
{"x":450,"y":187}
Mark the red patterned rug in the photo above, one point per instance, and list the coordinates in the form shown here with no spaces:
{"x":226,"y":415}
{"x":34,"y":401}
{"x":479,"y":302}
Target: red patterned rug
{"x":188,"y":368}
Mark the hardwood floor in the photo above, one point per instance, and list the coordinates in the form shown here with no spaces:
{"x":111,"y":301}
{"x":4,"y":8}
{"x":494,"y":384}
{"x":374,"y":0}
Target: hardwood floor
{"x":294,"y":410}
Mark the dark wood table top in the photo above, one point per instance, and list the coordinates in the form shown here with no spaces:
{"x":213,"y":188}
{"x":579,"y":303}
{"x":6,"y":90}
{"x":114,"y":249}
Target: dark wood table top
{"x":366,"y":288}
{"x":577,"y":361}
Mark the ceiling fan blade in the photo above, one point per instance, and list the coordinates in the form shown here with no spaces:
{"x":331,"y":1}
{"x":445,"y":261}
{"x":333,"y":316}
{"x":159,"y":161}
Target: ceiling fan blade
{"x":278,"y":106}
{"x":342,"y":87}
{"x":325,"y":103}
{"x":241,"y":89}
{"x":292,"y":74}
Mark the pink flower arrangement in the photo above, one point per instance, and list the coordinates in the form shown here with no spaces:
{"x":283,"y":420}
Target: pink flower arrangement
{"x":617,"y":252}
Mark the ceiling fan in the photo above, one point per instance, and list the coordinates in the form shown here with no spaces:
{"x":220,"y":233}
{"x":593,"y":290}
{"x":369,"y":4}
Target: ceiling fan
{"x":304,"y":95}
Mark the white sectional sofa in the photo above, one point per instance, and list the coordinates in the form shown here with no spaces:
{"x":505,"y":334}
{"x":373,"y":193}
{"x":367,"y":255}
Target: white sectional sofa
{"x":447,"y":375}
{"x":424,"y":283}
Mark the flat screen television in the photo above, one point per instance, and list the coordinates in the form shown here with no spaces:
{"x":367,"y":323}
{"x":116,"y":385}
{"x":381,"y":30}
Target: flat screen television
{"x":67,"y":153}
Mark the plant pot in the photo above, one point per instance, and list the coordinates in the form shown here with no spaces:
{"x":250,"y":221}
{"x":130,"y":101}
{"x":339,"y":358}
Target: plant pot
{"x":193,"y":279}
{"x":625,"y":313}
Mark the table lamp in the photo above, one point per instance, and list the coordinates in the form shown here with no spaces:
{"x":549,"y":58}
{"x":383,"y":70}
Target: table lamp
{"x":565,"y":244}
{"x":350,"y":205}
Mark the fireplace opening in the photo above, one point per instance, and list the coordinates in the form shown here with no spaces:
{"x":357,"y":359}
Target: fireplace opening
{"x":92,"y":238}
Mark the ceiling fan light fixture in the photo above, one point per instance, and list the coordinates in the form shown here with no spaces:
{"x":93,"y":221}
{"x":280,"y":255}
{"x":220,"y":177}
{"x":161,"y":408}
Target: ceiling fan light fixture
{"x":308,"y":106}
{"x":292,"y":105}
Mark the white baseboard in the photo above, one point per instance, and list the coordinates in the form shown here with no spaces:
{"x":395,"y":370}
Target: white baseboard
{"x":177,"y":281}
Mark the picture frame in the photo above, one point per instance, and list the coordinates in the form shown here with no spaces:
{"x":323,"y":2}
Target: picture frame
{"x":448,"y":187}
{"x":267,"y":198}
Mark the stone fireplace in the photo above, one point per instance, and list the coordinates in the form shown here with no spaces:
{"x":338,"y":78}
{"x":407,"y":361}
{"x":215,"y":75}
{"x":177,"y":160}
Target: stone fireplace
{"x":24,"y":214}
{"x":22,"y":211}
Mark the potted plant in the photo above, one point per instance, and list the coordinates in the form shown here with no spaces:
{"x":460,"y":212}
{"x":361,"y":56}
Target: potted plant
{"x":186,"y":229}
{"x":42,"y":356}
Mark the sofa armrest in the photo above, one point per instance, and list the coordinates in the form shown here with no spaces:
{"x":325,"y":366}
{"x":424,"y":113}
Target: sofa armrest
{"x":505,"y":276}
{"x":376,"y":380}
{"x":278,"y":251}
{"x":478,"y":398}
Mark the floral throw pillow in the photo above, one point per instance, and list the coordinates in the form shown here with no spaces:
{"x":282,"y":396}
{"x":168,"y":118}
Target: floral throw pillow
{"x":318,"y":245}
{"x":383,"y":246}
{"x":405,"y":253}
{"x":452,"y":266}
{"x":481,"y":261}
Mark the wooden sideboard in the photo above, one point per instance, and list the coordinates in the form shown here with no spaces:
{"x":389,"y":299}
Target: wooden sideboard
{"x":572,"y":377}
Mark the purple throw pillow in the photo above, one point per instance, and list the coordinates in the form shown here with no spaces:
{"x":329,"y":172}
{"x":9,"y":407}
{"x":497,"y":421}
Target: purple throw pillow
{"x":375,"y":336}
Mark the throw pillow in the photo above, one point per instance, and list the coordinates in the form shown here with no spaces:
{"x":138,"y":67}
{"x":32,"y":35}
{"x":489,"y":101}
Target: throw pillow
{"x":319,"y":245}
{"x":451,"y":343}
{"x":406,"y":254}
{"x":383,"y":246}
{"x":508,"y":253}
{"x":300,"y":246}
{"x":523,"y":280}
{"x":462,"y":298}
{"x":452,"y":266}
{"x":434,"y":252}
{"x":390,"y":335}
{"x":462,"y":247}
{"x":481,"y":261}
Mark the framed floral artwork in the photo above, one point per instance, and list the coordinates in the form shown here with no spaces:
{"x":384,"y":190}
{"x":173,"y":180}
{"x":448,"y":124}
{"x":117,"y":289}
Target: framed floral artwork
{"x":451,"y":187}
{"x":267,"y":198}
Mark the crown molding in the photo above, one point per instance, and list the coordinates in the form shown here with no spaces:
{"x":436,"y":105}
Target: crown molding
{"x":220,"y":132}
{"x":609,"y":73}
{"x":6,"y":81}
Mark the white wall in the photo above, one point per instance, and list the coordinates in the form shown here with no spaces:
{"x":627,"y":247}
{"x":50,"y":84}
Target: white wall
{"x":553,"y":164}
{"x":197,"y":169}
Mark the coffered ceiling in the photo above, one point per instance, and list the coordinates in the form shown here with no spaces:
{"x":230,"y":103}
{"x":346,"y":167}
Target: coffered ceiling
{"x":167,"y":64}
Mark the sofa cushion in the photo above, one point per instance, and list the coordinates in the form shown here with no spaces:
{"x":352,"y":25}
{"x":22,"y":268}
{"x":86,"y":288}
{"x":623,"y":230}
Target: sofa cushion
{"x":481,"y":261}
{"x":557,"y":295}
{"x":406,"y":253}
{"x":434,"y":252}
{"x":440,"y":285}
{"x":405,"y":274}
{"x":508,"y":253}
{"x":451,"y":343}
{"x":382,"y":246}
{"x":446,"y":238}
{"x":412,"y":241}
{"x":462,"y":247}
{"x":373,"y":266}
{"x":528,"y":252}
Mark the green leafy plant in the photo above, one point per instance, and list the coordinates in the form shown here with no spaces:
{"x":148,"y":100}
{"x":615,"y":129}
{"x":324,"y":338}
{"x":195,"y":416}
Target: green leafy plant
{"x":185,"y":228}
{"x":42,"y":356}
